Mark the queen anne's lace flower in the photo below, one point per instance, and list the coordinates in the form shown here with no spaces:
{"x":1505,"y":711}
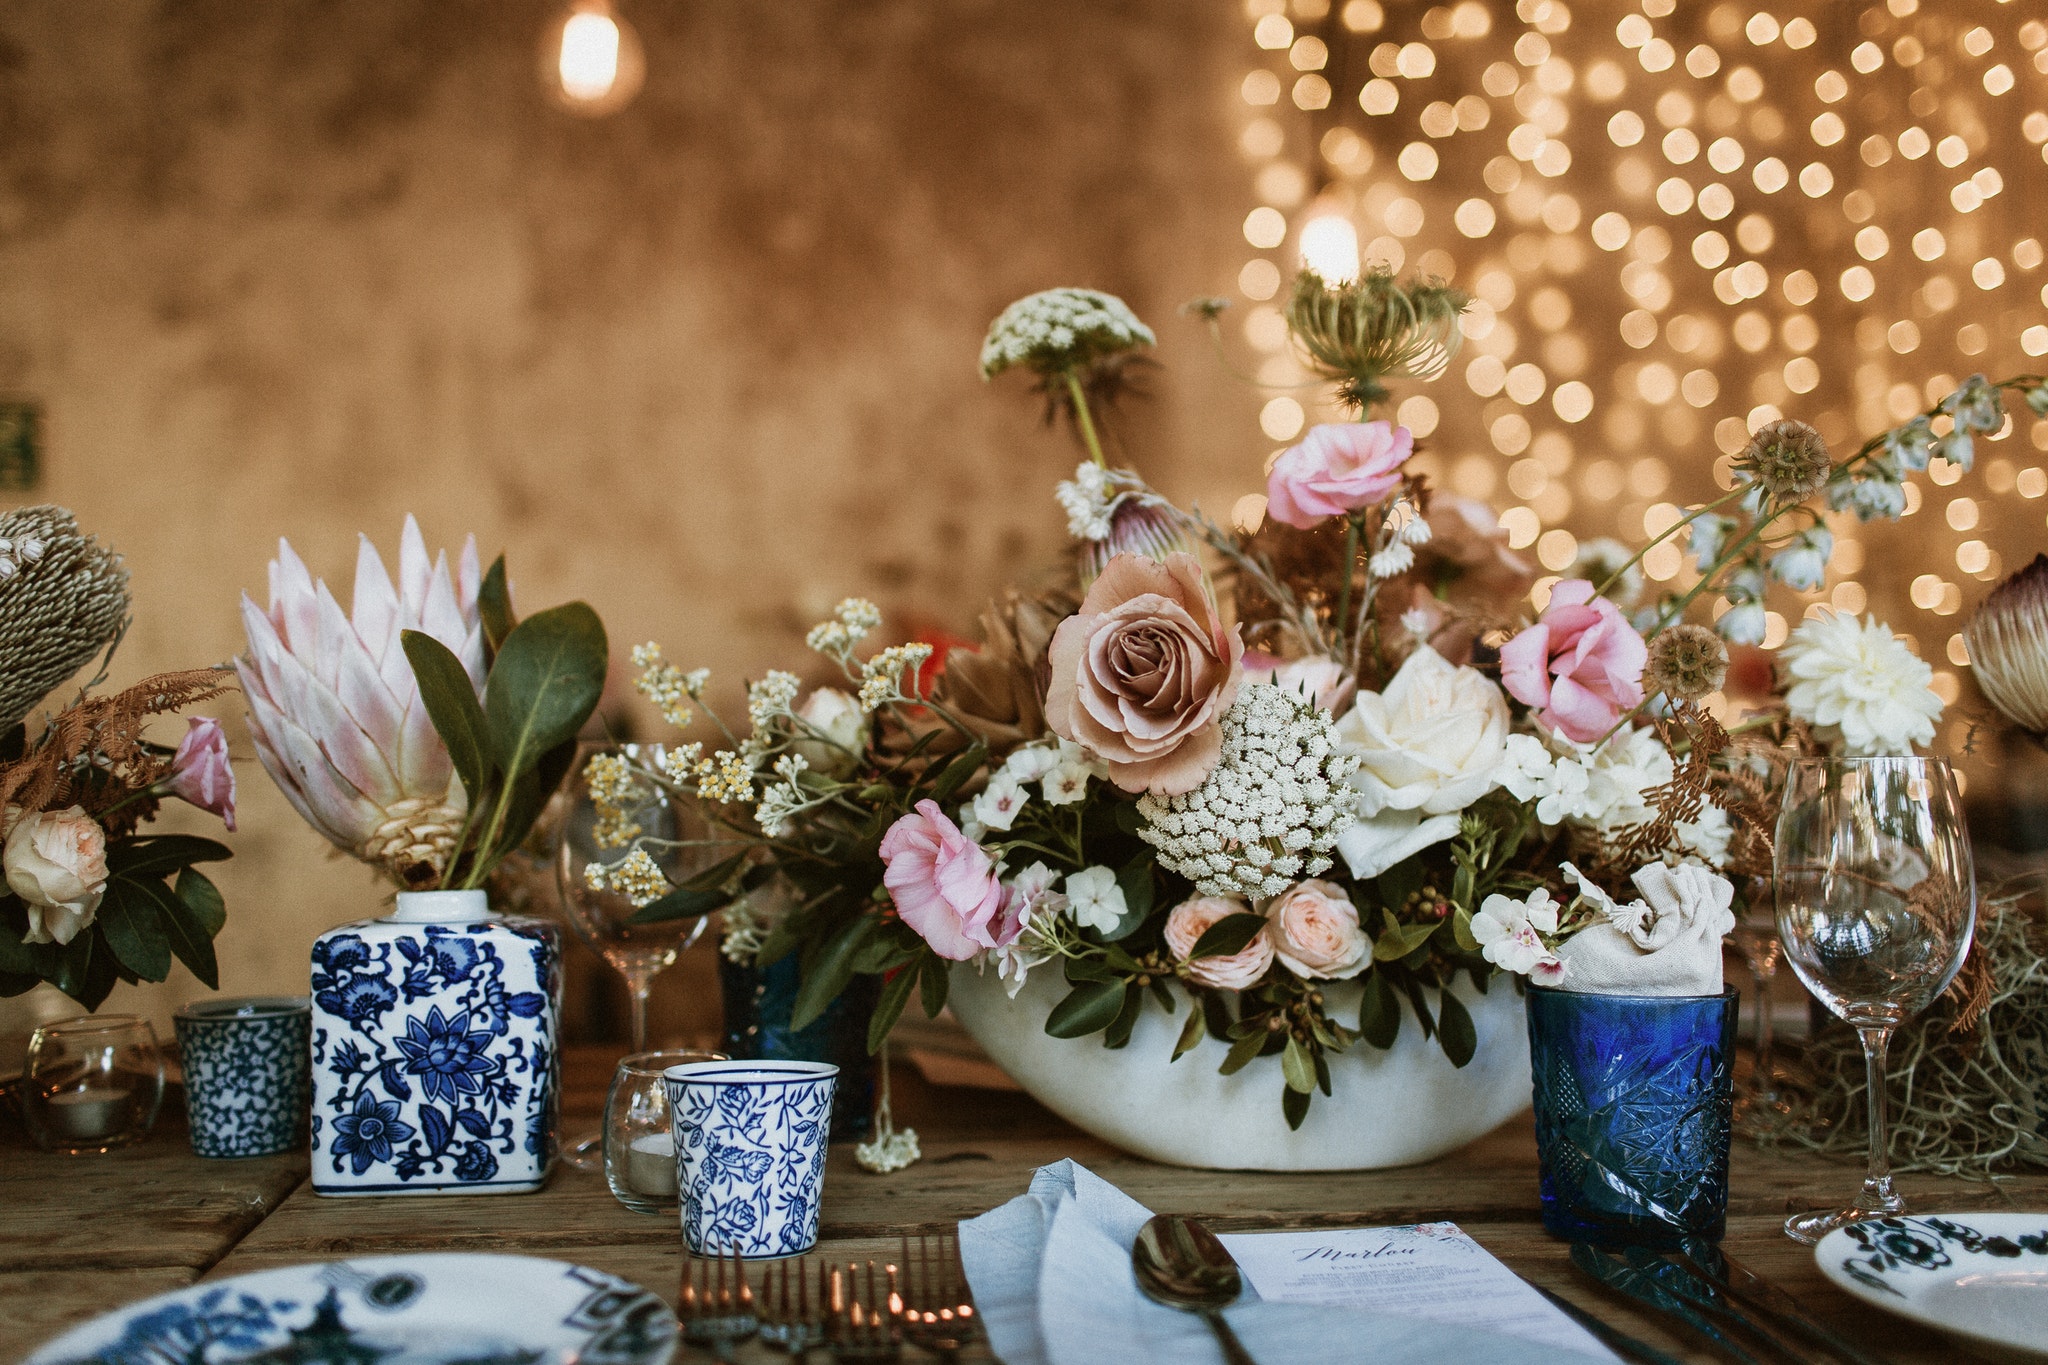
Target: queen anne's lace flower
{"x":1857,"y":684}
{"x":1268,"y":814}
{"x":1087,"y":499}
{"x":1057,"y":329}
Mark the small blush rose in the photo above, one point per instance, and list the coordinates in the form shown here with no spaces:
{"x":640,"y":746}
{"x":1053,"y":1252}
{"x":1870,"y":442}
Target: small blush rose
{"x":1185,"y":926}
{"x":56,"y":861}
{"x":1315,"y":933}
{"x":841,"y":731}
{"x":1580,"y":666}
{"x":1339,"y":467}
{"x":944,"y":884}
{"x":199,"y":771}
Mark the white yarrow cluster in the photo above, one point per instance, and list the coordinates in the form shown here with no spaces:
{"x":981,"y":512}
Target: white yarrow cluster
{"x":1088,"y":500}
{"x":1056,"y":328}
{"x":1269,"y":813}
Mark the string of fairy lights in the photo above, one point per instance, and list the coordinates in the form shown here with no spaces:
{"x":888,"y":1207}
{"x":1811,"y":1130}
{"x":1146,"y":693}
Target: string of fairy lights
{"x":1677,"y":222}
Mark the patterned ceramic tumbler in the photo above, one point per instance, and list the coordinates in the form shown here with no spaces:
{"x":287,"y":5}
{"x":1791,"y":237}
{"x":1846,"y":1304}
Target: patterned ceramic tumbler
{"x":248,"y":1074}
{"x":1633,"y":1103}
{"x":750,"y":1154}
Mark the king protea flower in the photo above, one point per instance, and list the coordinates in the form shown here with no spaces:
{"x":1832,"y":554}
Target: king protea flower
{"x":337,"y":715}
{"x":2008,"y":642}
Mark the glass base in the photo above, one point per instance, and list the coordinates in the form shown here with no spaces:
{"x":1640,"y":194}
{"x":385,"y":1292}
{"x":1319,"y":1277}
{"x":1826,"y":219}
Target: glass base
{"x":585,"y":1154}
{"x":1809,"y":1228}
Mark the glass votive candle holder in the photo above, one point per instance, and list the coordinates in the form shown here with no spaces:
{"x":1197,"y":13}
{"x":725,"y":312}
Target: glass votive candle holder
{"x":639,"y":1141}
{"x":92,"y":1083}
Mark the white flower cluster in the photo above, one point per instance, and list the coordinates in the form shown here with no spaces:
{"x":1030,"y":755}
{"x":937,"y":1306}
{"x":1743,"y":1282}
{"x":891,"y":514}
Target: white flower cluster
{"x":667,"y":686}
{"x":637,"y":877}
{"x":745,"y":926}
{"x":1600,"y":789}
{"x":1056,"y":328}
{"x":855,"y":619}
{"x":1405,"y":528}
{"x":1088,"y":499}
{"x":769,"y":700}
{"x":1269,"y":813}
{"x":882,"y":676}
{"x":783,"y":799}
{"x":1060,"y":767}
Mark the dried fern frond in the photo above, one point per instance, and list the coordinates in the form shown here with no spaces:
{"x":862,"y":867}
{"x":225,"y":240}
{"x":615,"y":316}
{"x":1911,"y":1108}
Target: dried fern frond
{"x":63,"y":599}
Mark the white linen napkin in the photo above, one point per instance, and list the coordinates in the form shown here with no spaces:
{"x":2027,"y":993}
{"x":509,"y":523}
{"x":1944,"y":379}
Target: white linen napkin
{"x":1667,"y":943}
{"x":1051,"y":1274}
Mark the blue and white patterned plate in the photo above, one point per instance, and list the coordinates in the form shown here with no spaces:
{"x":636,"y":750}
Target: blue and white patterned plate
{"x":391,"y":1310}
{"x":1979,"y":1277}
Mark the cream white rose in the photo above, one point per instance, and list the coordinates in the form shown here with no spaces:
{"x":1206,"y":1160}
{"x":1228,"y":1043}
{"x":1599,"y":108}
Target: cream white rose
{"x":1185,"y":927}
{"x":838,"y":718}
{"x":1432,"y":742}
{"x":1315,"y":933}
{"x":56,"y":861}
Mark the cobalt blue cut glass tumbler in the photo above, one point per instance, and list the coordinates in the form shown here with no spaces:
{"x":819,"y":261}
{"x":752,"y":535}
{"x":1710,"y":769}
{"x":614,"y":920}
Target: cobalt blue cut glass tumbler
{"x":1633,"y":1100}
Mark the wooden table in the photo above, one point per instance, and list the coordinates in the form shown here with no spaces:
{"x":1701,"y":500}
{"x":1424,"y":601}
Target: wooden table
{"x":79,"y":1234}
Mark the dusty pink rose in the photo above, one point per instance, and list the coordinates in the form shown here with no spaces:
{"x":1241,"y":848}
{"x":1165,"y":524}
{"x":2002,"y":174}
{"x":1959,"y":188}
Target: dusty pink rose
{"x":1143,"y":673}
{"x":1339,"y":467}
{"x":944,"y":884}
{"x":1580,"y":665}
{"x":200,"y":772}
{"x":56,"y":861}
{"x":1315,"y":933}
{"x":1318,"y":677}
{"x":1186,"y":924}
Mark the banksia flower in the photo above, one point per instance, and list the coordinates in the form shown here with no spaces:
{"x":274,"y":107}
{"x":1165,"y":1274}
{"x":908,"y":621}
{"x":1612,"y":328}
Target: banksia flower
{"x":336,"y":712}
{"x":1372,"y":328}
{"x":1788,"y":460}
{"x":2008,"y":642}
{"x":1686,"y":662}
{"x":63,"y":599}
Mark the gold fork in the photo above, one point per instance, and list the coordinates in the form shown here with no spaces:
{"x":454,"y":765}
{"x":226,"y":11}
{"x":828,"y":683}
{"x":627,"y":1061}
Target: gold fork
{"x":862,"y":1328}
{"x":938,"y":1309}
{"x":715,"y":1314}
{"x":789,"y":1322}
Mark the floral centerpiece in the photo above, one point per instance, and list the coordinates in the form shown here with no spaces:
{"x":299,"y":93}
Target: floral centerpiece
{"x":1354,"y":751}
{"x":90,"y":899}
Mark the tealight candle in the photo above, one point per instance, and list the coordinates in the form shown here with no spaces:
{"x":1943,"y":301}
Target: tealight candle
{"x":651,"y":1165}
{"x":90,"y":1111}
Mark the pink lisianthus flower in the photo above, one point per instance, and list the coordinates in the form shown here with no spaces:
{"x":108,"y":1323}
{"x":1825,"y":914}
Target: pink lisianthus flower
{"x":945,"y":885}
{"x":200,"y":772}
{"x":1339,"y":467}
{"x":1580,"y":666}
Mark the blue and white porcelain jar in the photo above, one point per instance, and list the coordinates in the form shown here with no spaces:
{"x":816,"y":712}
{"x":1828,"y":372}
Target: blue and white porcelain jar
{"x":434,"y":1062}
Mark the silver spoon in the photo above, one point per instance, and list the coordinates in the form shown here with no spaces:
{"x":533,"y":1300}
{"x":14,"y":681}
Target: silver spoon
{"x":1181,"y":1264}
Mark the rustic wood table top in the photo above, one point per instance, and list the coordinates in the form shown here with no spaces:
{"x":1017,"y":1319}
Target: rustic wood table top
{"x":81,"y":1235}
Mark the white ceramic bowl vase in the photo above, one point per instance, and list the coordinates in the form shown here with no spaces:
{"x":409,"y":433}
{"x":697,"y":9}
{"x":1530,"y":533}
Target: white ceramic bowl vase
{"x":1391,"y":1108}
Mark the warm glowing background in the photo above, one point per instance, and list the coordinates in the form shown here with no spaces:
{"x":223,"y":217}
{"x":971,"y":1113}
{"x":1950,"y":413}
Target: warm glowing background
{"x":684,"y":315}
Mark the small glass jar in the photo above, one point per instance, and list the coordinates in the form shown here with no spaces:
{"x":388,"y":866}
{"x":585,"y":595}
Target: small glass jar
{"x":639,"y":1145}
{"x":92,"y":1083}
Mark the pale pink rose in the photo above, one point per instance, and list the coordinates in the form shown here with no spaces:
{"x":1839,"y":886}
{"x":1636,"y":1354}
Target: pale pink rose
{"x":200,"y":772}
{"x":1339,"y":467}
{"x":1143,"y":673}
{"x":944,"y":884}
{"x":1185,"y":926}
{"x":1315,"y":933}
{"x":56,"y":861}
{"x":1318,"y":677}
{"x":1580,"y":665}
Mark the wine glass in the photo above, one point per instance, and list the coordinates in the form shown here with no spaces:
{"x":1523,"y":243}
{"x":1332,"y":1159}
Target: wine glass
{"x":1755,"y":939}
{"x":1877,"y":900}
{"x":670,"y":833}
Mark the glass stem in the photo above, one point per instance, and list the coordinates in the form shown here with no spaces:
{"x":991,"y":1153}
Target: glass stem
{"x":639,"y":981}
{"x":1878,"y":1197}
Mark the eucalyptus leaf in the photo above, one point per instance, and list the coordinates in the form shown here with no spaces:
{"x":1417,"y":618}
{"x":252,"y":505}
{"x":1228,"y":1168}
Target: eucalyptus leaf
{"x":832,"y":972}
{"x":1297,"y":1066}
{"x":1191,"y":1033}
{"x":450,"y":699}
{"x":1242,"y":1051}
{"x":544,"y":684}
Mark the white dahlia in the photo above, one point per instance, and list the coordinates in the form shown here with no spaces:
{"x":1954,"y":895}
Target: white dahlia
{"x":1858,"y":685}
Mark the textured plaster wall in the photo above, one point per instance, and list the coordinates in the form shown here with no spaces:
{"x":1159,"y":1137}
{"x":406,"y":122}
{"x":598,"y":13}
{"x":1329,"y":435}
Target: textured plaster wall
{"x":299,"y":268}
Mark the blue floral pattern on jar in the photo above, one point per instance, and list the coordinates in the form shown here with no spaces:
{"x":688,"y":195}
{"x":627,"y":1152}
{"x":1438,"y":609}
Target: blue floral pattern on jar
{"x":433,"y":1056}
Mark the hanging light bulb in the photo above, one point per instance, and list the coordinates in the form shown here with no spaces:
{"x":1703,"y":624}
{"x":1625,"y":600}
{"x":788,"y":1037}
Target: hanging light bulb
{"x":1329,"y":246}
{"x":591,"y":59}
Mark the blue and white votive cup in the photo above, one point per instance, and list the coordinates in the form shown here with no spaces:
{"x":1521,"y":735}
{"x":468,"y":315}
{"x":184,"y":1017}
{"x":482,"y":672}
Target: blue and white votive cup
{"x":247,"y":1074}
{"x":750,"y":1154}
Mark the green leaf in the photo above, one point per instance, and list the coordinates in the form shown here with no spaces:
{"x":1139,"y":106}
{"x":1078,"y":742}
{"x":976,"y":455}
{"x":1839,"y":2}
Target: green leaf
{"x":1128,"y":817}
{"x":1399,"y":882}
{"x":681,"y":903}
{"x":1227,"y":935}
{"x":129,"y":920}
{"x":1322,"y":1074}
{"x":17,"y":983}
{"x":1088,"y":1008}
{"x":932,"y":983}
{"x":1297,"y":1066}
{"x":15,"y":958}
{"x":1420,"y":1002}
{"x":1454,"y":1028}
{"x":1118,"y":1034}
{"x":530,"y":794}
{"x":832,"y":971}
{"x":1079,"y":969}
{"x":1191,"y":1033}
{"x":544,"y":684}
{"x":1243,"y":1050}
{"x":193,"y":915}
{"x":1461,"y":930}
{"x":716,"y":875}
{"x":1397,"y":940}
{"x":1294,"y":1106}
{"x":451,"y":703}
{"x":159,"y":855}
{"x":889,"y":1007}
{"x":955,"y":774}
{"x":494,"y":605}
{"x":1379,"y":1014}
